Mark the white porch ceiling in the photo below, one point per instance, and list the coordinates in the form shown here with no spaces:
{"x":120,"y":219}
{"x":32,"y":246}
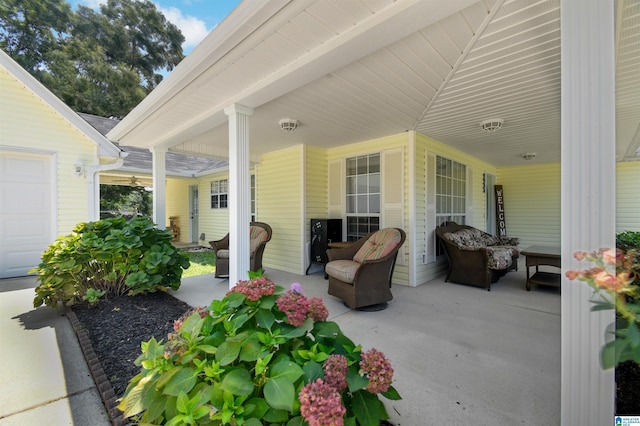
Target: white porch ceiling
{"x":351,"y":71}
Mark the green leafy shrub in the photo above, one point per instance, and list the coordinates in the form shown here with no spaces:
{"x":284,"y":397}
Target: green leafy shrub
{"x":628,"y":240}
{"x":109,"y":257}
{"x":259,"y":357}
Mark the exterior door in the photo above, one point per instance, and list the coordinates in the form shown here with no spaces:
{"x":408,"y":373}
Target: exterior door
{"x":193,"y":212}
{"x":26,"y":210}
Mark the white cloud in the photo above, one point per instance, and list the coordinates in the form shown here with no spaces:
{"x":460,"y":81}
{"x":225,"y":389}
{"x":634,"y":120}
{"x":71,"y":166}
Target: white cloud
{"x":193,"y":29}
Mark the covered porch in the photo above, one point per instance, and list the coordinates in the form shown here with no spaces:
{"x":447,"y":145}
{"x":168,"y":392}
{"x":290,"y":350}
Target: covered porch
{"x":461,"y":355}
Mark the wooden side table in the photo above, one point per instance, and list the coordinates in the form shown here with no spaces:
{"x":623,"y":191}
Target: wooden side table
{"x":542,"y":255}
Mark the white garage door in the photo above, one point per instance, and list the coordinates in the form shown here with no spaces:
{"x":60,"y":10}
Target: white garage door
{"x":26,"y":210}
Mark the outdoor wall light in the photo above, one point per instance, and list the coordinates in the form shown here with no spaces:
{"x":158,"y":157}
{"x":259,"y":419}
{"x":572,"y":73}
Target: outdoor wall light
{"x":78,"y":169}
{"x":288,"y":124}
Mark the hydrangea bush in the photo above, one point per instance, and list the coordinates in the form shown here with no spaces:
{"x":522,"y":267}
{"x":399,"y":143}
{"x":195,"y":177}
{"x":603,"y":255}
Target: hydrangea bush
{"x":614,"y":279}
{"x":259,"y":356}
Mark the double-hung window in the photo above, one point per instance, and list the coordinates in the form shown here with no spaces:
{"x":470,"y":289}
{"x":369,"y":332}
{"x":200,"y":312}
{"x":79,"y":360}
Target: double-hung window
{"x":451,"y":191}
{"x":363,"y":195}
{"x":219,"y":194}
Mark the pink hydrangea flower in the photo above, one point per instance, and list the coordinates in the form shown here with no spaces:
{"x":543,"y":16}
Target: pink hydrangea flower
{"x":317,"y":310}
{"x":378,"y":369}
{"x":255,"y":288}
{"x":335,"y":372}
{"x":321,"y":404}
{"x":296,"y":288}
{"x":295,"y":305}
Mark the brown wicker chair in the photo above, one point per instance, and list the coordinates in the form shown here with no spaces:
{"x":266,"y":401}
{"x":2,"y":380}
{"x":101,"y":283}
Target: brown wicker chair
{"x":475,"y":264}
{"x":360,"y":274}
{"x":260,"y":234}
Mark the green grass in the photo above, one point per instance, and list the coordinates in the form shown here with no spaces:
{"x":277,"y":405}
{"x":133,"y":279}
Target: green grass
{"x":202,"y":262}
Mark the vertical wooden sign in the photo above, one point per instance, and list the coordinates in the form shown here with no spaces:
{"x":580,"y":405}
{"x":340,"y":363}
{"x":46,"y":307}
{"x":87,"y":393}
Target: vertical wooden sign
{"x":500,"y":220}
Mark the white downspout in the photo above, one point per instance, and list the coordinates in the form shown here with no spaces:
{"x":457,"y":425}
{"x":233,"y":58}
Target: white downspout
{"x":93,"y":185}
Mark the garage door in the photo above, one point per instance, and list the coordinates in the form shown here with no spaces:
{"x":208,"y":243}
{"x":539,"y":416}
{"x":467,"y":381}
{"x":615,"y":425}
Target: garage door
{"x":26,"y":210}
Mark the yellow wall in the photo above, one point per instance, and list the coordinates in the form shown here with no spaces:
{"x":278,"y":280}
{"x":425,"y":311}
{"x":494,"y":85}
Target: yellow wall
{"x":628,"y":197}
{"x":213,"y":222}
{"x":27,"y":123}
{"x":424,"y":145}
{"x":279,"y":195}
{"x":532,"y":202}
{"x":399,"y":141}
{"x":178,"y":205}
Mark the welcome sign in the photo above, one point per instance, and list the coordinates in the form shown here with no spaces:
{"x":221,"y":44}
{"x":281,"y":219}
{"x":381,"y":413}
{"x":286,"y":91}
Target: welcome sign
{"x":500,"y":219}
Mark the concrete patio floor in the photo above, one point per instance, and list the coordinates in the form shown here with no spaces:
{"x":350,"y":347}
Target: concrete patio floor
{"x":461,"y":355}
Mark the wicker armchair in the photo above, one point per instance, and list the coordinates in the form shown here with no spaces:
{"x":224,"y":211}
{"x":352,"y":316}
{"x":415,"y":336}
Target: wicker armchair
{"x":475,"y":257}
{"x":360,"y":274}
{"x":260,"y":234}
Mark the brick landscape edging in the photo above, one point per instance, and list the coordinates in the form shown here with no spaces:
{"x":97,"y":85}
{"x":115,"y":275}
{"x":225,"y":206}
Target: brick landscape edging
{"x":107,"y":394}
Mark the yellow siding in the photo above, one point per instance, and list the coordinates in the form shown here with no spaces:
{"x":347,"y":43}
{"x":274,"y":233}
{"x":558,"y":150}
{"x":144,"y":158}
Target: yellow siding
{"x":401,"y":272}
{"x":28,"y":123}
{"x":280,"y":204}
{"x":424,"y":145}
{"x":178,"y":205}
{"x":532,"y":202}
{"x":213,"y":222}
{"x":628,"y":197}
{"x":316,"y":189}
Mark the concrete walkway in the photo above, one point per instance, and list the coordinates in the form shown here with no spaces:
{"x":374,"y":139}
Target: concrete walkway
{"x":461,"y":355}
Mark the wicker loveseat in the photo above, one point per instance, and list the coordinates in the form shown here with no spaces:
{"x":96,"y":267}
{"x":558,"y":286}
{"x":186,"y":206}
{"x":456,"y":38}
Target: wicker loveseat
{"x":475,"y":257}
{"x":360,"y":274}
{"x":259,"y":234}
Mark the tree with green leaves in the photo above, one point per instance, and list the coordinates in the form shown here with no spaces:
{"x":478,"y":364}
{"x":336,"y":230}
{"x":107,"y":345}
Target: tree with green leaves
{"x":101,"y":63}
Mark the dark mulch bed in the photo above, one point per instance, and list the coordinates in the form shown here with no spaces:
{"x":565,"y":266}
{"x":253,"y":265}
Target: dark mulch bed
{"x":117,"y":326}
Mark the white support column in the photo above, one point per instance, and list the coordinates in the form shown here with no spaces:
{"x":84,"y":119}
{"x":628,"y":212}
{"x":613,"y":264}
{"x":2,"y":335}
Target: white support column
{"x":239,"y":192}
{"x":159,"y":187}
{"x":588,"y":201}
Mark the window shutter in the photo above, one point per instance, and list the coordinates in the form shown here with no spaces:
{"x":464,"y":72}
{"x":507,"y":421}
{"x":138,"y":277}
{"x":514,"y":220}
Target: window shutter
{"x":393,"y":193}
{"x":469,"y":195}
{"x":431,"y":207}
{"x":336,"y":189}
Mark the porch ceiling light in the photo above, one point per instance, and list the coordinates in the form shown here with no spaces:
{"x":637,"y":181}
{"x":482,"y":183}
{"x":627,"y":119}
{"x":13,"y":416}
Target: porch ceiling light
{"x":492,"y":125}
{"x":288,"y":124}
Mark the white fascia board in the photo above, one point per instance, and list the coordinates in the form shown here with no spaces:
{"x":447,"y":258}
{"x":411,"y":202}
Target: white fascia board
{"x":106,"y":148}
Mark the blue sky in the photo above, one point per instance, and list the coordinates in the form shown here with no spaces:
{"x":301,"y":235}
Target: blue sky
{"x":195,"y":18}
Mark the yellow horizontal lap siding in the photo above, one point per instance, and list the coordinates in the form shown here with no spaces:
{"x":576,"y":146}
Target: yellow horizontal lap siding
{"x":532,"y":202}
{"x":628,"y":197}
{"x":401,"y":140}
{"x":27,"y":123}
{"x":316,"y":181}
{"x":425,"y":145}
{"x":178,"y":205}
{"x":213,"y":222}
{"x":280,"y":204}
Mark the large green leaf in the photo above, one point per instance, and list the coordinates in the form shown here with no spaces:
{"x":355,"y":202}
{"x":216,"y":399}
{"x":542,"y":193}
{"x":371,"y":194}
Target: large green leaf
{"x":238,"y":382}
{"x":355,"y":380}
{"x":285,"y":368}
{"x":229,"y":350}
{"x":183,"y":381}
{"x":265,"y":318}
{"x":279,"y":393}
{"x":367,"y":408}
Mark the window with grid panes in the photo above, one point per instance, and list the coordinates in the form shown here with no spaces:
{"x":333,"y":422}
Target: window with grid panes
{"x":451,"y":193}
{"x":219,"y":194}
{"x":363,"y":195}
